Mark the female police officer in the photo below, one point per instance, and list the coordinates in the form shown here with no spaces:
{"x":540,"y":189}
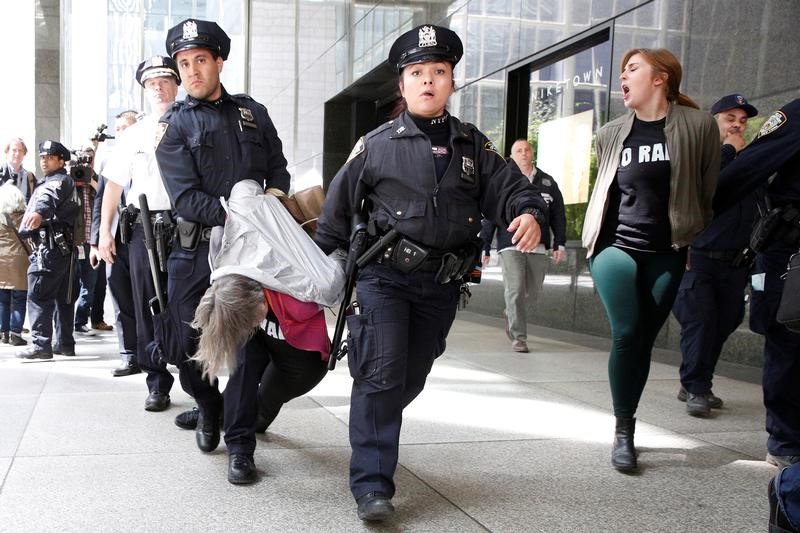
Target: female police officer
{"x":427,"y":176}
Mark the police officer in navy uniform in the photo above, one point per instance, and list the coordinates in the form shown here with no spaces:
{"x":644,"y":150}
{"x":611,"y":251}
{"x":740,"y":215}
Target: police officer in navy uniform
{"x":776,"y":150}
{"x":428,"y":176}
{"x":710,"y":301}
{"x":208,"y":144}
{"x":50,"y":221}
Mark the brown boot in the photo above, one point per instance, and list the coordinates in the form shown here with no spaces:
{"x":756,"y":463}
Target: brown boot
{"x":623,"y":454}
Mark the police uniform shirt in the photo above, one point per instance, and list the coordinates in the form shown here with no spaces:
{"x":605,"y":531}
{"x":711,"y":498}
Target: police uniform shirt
{"x":396,"y":164}
{"x":133,"y":162}
{"x":205,"y":147}
{"x":54,"y":199}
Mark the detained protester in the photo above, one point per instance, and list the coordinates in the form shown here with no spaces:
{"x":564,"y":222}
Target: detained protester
{"x":428,"y":177}
{"x":657,"y":169}
{"x":265,"y":267}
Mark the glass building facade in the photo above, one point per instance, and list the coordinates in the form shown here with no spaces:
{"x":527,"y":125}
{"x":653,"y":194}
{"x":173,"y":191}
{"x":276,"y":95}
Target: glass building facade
{"x":546,"y":70}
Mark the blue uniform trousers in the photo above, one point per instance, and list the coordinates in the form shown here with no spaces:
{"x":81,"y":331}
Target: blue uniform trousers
{"x":119,"y":284}
{"x":781,"y":374}
{"x":709,"y":307}
{"x":48,"y":279}
{"x":270,"y":372}
{"x":188,"y":274}
{"x":392,"y":344}
{"x":787,"y":488}
{"x":158,"y":377}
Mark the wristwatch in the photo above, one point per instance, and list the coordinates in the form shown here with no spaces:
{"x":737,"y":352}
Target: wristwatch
{"x":537,"y":214}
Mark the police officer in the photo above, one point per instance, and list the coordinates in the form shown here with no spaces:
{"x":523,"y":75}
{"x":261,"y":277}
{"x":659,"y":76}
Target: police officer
{"x":118,"y":274}
{"x":209,"y":143}
{"x":427,"y":176}
{"x":133,"y":164}
{"x":710,"y":301}
{"x":50,"y":221}
{"x":776,"y":150}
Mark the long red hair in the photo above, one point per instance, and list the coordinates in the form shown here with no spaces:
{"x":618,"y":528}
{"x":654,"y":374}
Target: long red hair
{"x":663,"y":62}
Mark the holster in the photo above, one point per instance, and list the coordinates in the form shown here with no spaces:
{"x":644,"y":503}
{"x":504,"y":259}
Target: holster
{"x":163,"y":232}
{"x":789,"y":308}
{"x":188,"y":234}
{"x":127,"y":217}
{"x":457,"y":264}
{"x":408,"y":256}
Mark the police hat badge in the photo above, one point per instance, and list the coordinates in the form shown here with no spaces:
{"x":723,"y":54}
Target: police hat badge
{"x":425,"y":43}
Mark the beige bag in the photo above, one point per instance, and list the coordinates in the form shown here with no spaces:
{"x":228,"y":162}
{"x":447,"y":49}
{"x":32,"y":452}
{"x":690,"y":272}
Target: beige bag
{"x":305,"y":206}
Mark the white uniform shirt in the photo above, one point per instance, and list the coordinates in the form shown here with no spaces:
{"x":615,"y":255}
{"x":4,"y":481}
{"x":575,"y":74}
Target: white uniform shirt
{"x":133,"y":163}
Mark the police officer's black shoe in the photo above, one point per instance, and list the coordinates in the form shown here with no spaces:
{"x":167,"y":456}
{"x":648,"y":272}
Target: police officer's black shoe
{"x":374,"y":507}
{"x":241,"y":469}
{"x":778,"y":522}
{"x":714,"y":401}
{"x":207,"y":432}
{"x":188,"y":419}
{"x":156,"y":401}
{"x":34,"y":352}
{"x":697,"y":405}
{"x":127,"y":369}
{"x":4,"y":337}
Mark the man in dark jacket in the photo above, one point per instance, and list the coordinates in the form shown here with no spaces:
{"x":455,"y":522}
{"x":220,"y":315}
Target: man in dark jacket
{"x":523,"y":273}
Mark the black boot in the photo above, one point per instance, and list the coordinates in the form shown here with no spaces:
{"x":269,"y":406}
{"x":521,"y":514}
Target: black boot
{"x":623,"y":454}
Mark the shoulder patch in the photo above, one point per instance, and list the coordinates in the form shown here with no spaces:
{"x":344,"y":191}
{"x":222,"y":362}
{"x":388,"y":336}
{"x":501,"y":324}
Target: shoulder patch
{"x":161,"y":129}
{"x":358,"y":149}
{"x":490,"y":147}
{"x":775,"y":121}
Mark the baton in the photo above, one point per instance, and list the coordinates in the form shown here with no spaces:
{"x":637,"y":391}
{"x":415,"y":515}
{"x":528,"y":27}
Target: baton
{"x":152,"y":257}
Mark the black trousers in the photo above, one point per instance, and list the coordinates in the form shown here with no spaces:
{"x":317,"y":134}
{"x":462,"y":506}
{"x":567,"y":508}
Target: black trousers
{"x":48,"y":279}
{"x":392,"y":344}
{"x":188,"y":274}
{"x":158,"y":377}
{"x":284,"y":373}
{"x":119,"y":284}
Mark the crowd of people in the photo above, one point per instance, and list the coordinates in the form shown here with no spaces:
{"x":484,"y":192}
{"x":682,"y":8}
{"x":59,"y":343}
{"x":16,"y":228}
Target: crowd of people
{"x":670,"y":213}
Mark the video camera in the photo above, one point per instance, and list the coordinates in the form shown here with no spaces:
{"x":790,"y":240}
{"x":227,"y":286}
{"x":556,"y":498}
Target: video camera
{"x":101,"y":134}
{"x":80,"y":166}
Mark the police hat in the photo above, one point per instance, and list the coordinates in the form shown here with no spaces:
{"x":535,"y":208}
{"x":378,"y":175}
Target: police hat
{"x":733,"y":101}
{"x":54,"y":148}
{"x":196,"y":33}
{"x":425,"y":43}
{"x":157,"y":67}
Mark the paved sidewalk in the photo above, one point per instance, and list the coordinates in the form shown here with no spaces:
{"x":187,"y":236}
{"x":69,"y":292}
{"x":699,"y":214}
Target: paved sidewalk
{"x":498,"y":441}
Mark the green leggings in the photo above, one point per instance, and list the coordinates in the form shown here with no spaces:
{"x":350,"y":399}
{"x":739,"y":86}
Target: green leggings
{"x":637,"y":289}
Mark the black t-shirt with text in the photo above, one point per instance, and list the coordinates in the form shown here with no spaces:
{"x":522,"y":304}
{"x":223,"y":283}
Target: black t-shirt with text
{"x":638,"y":200}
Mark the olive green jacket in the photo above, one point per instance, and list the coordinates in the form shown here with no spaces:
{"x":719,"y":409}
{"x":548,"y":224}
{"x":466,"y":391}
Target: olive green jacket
{"x":693,"y":144}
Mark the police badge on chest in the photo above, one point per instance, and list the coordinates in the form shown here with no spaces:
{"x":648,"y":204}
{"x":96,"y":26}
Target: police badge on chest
{"x":248,"y":120}
{"x":467,"y":169}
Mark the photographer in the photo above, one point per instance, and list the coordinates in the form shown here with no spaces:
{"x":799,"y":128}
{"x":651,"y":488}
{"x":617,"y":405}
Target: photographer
{"x":85,"y":179}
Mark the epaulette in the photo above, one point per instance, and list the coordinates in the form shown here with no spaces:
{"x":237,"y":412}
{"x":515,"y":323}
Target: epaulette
{"x":383,"y":127}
